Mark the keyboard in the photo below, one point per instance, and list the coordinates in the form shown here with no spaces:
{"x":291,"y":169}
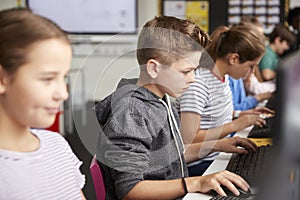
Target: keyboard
{"x":262,"y":132}
{"x":272,"y":102}
{"x":230,"y":195}
{"x":218,"y":197}
{"x":249,"y":166}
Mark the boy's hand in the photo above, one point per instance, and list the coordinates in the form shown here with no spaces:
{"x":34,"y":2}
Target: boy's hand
{"x":214,"y":181}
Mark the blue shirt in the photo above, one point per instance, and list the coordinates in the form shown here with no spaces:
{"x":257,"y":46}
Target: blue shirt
{"x":239,"y":98}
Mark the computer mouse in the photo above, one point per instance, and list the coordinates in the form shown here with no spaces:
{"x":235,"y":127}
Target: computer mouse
{"x":243,"y":194}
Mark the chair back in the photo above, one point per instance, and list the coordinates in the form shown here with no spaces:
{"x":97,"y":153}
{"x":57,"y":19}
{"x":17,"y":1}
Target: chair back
{"x":97,"y":178}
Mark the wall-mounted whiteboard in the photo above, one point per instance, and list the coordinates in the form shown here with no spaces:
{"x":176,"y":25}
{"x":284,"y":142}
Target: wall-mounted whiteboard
{"x":89,"y":16}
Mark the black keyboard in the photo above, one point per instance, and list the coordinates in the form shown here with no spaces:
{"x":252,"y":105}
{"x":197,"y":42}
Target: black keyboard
{"x":218,"y":197}
{"x":249,"y":166}
{"x":272,"y":102}
{"x":262,"y":132}
{"x":230,"y":195}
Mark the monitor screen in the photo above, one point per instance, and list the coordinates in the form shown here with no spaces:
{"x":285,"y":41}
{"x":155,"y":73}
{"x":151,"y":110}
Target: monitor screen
{"x":89,"y":17}
{"x":289,"y":103}
{"x":282,"y":180}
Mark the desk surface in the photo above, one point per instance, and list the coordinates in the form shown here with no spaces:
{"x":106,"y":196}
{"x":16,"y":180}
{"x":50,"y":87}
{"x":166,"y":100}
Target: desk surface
{"x":218,"y":164}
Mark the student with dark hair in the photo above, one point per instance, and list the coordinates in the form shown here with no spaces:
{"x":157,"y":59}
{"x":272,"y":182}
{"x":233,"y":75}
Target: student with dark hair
{"x":248,"y":96}
{"x":206,"y":106}
{"x":252,"y":84}
{"x":281,"y":38}
{"x":140,"y":148}
{"x":35,"y":58}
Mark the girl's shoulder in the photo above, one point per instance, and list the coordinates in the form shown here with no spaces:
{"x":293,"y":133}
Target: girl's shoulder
{"x":43,"y":133}
{"x":47,"y":137}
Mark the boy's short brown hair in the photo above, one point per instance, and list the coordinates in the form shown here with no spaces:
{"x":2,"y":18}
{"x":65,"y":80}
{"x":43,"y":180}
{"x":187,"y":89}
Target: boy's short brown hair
{"x":167,"y":39}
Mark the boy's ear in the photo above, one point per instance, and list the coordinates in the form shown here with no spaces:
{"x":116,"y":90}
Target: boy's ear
{"x":3,"y":80}
{"x":234,"y":58}
{"x":153,"y":68}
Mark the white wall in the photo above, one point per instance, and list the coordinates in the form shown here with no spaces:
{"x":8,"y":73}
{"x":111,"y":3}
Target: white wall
{"x":103,"y":70}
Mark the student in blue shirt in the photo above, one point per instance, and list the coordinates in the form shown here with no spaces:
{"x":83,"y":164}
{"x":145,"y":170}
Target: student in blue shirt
{"x":239,"y":98}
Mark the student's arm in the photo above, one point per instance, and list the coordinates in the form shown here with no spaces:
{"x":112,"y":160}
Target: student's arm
{"x":263,"y":96}
{"x":267,"y":66}
{"x":247,"y":103}
{"x":190,"y":124}
{"x":199,"y":150}
{"x":190,"y":129}
{"x":268,"y":74}
{"x":257,"y":111}
{"x":82,"y":195}
{"x":239,"y":98}
{"x":172,"y":189}
{"x":191,"y":132}
{"x":258,"y":75}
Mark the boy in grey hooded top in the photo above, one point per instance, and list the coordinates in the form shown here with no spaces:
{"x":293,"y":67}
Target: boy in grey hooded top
{"x":149,"y":150}
{"x":140,"y":148}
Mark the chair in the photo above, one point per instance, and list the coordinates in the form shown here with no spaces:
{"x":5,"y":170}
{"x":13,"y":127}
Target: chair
{"x":97,"y":178}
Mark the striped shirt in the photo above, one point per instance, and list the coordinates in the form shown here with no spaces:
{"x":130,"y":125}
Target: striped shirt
{"x":50,"y":172}
{"x":210,"y":98}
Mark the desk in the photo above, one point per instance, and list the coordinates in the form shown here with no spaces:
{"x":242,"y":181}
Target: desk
{"x":218,"y":164}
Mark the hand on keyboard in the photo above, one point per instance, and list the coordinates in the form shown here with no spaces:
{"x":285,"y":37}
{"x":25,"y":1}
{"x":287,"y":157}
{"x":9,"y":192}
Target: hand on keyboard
{"x":245,"y":121}
{"x":234,"y":144}
{"x":221,"y":179}
{"x":264,"y":111}
{"x":243,"y":194}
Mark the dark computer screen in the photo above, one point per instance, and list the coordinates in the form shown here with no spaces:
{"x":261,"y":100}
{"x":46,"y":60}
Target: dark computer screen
{"x":281,"y":180}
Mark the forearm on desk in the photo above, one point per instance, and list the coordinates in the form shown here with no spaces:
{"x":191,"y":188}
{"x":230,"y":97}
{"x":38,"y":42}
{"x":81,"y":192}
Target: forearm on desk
{"x":199,"y":150}
{"x":164,"y":189}
{"x":216,"y":133}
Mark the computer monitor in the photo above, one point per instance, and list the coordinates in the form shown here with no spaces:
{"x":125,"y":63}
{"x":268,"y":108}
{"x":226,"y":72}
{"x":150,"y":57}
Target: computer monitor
{"x":281,"y":180}
{"x":89,"y":16}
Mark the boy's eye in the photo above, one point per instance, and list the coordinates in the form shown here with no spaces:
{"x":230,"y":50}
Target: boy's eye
{"x":186,"y":72}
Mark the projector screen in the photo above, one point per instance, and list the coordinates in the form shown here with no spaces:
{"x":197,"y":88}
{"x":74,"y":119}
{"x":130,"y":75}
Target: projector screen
{"x":89,"y":16}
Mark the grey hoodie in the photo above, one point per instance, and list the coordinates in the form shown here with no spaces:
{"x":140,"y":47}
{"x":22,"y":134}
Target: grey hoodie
{"x":136,"y":142}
